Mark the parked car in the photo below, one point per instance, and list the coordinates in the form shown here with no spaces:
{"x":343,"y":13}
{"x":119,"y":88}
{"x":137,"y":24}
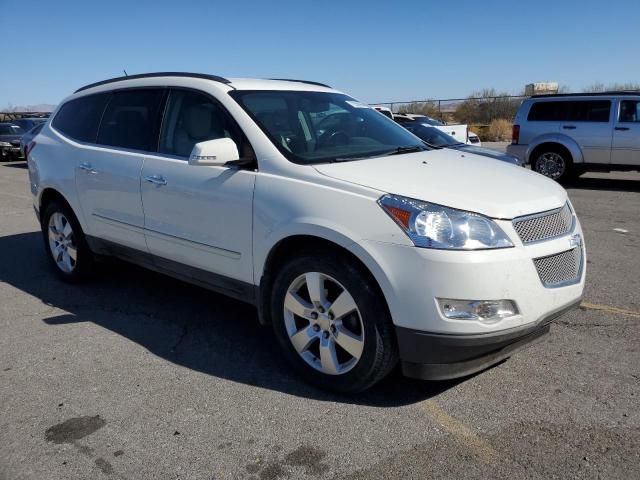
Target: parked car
{"x":386,"y":111}
{"x":459,"y":131}
{"x":27,"y":123}
{"x":10,"y":141}
{"x":29,"y":136}
{"x":438,"y":139}
{"x":565,"y":135}
{"x":359,"y":244}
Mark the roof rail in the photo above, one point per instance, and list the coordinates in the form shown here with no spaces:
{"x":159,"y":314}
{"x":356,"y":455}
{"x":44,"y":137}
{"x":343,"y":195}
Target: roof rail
{"x":586,"y":94}
{"x":157,"y":74}
{"x":300,"y":81}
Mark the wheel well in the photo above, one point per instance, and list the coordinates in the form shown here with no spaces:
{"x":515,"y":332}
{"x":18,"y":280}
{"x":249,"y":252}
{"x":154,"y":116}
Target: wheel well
{"x":288,"y":247}
{"x":49,"y":195}
{"x":550,"y":146}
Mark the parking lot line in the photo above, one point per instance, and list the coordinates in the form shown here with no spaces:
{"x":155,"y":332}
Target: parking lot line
{"x":609,"y":309}
{"x":455,"y":427}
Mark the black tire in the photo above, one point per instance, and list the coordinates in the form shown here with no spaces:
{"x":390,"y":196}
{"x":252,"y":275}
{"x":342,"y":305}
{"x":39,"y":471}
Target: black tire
{"x":83,"y":265}
{"x":561,"y":156}
{"x":379,"y":353}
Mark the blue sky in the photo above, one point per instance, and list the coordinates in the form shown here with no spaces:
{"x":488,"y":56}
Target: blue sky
{"x":374,"y":50}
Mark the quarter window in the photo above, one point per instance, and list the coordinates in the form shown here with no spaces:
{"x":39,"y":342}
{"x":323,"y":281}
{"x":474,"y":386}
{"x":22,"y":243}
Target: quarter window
{"x":192,"y":118}
{"x":131,"y":120}
{"x":630,"y":111}
{"x":79,"y":119}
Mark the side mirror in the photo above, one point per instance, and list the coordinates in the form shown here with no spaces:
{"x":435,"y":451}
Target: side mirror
{"x":214,"y":153}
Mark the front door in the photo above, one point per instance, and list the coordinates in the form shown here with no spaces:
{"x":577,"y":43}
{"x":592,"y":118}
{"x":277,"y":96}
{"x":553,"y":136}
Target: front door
{"x":197,"y":216}
{"x":626,"y":134}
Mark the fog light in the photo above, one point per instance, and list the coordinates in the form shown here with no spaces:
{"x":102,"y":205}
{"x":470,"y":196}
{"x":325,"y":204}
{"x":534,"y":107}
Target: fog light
{"x":488,"y":311}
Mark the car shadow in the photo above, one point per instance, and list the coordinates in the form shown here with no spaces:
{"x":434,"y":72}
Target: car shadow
{"x":18,"y":164}
{"x":184,"y":324}
{"x":612,"y":184}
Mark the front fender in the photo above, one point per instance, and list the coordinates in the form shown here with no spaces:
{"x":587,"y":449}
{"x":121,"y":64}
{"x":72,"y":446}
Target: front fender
{"x":567,"y":142}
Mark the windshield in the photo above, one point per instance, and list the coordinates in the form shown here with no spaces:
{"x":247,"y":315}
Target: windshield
{"x":431,"y":135}
{"x":11,"y":130}
{"x":428,"y":121}
{"x":321,"y":127}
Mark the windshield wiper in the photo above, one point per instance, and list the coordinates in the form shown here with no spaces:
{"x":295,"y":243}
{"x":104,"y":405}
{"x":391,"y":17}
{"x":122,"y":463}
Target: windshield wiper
{"x":409,"y":149}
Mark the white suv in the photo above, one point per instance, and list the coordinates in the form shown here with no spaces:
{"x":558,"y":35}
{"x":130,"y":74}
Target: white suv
{"x":356,"y":242}
{"x":563,"y":136}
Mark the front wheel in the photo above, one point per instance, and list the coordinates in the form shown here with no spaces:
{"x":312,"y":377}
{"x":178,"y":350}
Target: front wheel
{"x":332,"y":323}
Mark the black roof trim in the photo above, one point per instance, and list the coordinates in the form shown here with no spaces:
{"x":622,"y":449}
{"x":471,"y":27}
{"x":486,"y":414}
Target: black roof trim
{"x":300,"y":81}
{"x":593,"y":94}
{"x":157,"y":74}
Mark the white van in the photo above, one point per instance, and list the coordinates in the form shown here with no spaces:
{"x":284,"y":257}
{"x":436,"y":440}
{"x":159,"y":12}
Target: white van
{"x":359,"y":244}
{"x":563,"y":136}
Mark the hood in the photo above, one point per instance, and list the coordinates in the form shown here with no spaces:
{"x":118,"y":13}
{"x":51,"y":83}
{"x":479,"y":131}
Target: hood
{"x":455,"y":179}
{"x":487,"y":152}
{"x":11,"y":139}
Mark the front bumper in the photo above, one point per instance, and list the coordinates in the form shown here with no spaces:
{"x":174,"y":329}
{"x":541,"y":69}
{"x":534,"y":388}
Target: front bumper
{"x":11,"y":152}
{"x":430,"y":356}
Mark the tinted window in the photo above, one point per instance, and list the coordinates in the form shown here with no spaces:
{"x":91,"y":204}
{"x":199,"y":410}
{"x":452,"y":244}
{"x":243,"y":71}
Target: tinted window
{"x":80,"y":118}
{"x":191,"y":118}
{"x":571,"y":111}
{"x":131,"y":120}
{"x":630,"y":111}
{"x":431,"y":135}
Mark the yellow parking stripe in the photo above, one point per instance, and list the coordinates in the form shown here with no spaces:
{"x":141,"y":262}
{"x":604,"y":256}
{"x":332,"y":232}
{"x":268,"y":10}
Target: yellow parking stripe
{"x":607,"y":308}
{"x":481,"y":447}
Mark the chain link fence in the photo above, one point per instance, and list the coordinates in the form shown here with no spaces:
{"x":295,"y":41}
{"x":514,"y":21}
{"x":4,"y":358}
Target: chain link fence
{"x":490,"y":117}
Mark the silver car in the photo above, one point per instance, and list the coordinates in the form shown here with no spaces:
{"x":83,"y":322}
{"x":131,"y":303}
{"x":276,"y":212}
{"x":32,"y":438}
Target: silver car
{"x":563,"y":136}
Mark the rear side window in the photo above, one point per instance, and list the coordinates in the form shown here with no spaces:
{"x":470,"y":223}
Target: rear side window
{"x":571,"y":111}
{"x":131,"y":120}
{"x":79,"y":119}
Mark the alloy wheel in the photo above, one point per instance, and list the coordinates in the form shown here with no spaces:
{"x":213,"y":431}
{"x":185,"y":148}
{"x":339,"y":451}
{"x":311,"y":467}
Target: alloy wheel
{"x":324,"y":323}
{"x":551,"y":164}
{"x":62,"y":242}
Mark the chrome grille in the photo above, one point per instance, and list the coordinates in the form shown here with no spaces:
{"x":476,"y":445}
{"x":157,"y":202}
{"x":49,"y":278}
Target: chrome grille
{"x":560,"y":269}
{"x":543,"y":226}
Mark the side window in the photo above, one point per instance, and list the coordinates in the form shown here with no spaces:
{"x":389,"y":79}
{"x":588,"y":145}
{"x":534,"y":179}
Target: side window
{"x":630,"y":111}
{"x":590,"y":111}
{"x":131,"y":120}
{"x":80,"y":118}
{"x":548,"y":111}
{"x":192,"y":118}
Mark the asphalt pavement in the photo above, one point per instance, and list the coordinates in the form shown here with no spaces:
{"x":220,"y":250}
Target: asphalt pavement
{"x":139,"y":376}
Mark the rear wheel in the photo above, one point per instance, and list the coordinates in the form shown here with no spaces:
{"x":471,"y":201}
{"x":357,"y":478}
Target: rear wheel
{"x":332,"y":323}
{"x":555,"y":163}
{"x":65,"y":243}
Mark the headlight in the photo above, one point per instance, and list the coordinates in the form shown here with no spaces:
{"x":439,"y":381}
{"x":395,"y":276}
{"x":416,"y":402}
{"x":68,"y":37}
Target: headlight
{"x":434,"y":226}
{"x":5,"y":144}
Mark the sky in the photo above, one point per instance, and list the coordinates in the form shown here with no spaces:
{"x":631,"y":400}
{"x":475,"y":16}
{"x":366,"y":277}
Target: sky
{"x":376,"y":51}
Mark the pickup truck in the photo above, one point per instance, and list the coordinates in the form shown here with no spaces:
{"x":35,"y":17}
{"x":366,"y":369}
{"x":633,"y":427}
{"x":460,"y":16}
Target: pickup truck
{"x":460,"y":131}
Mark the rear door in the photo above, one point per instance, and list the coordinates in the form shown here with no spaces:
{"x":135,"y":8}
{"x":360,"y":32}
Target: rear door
{"x":108,"y":174}
{"x":198,"y":216}
{"x":590,"y":124}
{"x":626,"y":133}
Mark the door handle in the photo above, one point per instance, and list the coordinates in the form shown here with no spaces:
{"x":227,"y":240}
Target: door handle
{"x":569,"y":127}
{"x":86,"y":167}
{"x":156,"y":180}
{"x":622,"y":128}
